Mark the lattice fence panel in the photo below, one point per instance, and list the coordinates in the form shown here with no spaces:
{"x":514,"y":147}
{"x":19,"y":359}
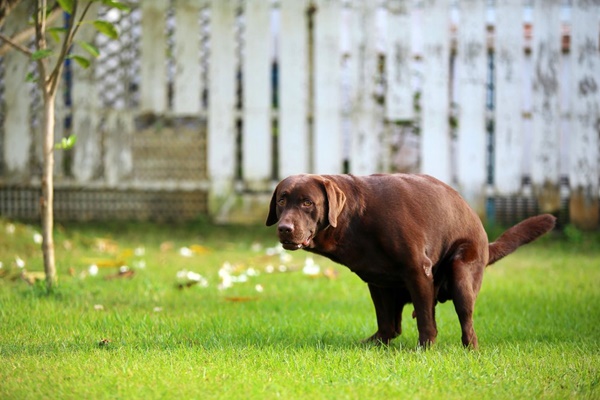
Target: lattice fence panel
{"x":118,"y":68}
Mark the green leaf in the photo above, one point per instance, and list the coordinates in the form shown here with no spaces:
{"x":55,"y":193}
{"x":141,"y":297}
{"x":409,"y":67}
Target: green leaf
{"x":116,"y":4}
{"x":55,"y":32}
{"x":106,"y":28}
{"x":66,"y":143}
{"x":90,"y":48}
{"x":30,"y":77}
{"x":39,"y":54}
{"x":82,"y":61}
{"x":66,"y":5}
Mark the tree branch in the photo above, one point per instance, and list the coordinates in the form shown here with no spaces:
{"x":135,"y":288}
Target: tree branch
{"x":11,"y":43}
{"x":25,"y":34}
{"x":68,"y":41}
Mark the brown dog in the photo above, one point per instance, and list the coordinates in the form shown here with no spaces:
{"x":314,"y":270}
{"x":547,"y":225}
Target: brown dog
{"x":412,"y":238}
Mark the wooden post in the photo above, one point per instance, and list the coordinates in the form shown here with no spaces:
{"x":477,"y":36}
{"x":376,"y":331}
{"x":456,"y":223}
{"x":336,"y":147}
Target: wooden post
{"x":293,"y":143}
{"x":187,"y":86}
{"x":545,"y":173}
{"x":584,"y":165}
{"x":86,"y":119}
{"x":17,"y":132}
{"x":367,"y":114}
{"x":399,"y":94}
{"x":435,"y":101}
{"x":508,"y":109}
{"x":471,"y":66}
{"x":257,"y":152}
{"x":327,"y":139}
{"x":221,"y":92}
{"x":153,"y":65}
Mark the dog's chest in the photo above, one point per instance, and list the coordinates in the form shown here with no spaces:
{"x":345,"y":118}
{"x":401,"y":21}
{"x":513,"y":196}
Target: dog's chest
{"x":371,"y":265}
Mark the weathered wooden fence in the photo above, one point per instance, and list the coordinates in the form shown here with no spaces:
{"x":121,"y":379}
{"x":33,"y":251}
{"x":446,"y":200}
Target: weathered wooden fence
{"x":201,"y":106}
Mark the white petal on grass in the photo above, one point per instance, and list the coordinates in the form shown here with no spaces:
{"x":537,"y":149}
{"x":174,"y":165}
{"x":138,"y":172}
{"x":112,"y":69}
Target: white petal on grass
{"x":256,"y":247}
{"x":186,"y":252}
{"x":20,"y":262}
{"x":93,"y":270}
{"x":310,"y":268}
{"x":193,"y":276}
{"x":37,"y":238}
{"x":285,"y":257}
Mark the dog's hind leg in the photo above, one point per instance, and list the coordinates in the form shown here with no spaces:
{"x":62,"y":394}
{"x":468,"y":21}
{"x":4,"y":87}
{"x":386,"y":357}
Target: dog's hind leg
{"x":422,"y":293}
{"x":466,"y":281}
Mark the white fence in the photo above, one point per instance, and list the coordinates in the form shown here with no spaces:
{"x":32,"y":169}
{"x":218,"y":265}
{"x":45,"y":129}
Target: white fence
{"x":498,"y":98}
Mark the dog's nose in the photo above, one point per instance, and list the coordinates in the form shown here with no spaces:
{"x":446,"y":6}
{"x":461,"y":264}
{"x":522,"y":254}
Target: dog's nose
{"x":285,"y":227}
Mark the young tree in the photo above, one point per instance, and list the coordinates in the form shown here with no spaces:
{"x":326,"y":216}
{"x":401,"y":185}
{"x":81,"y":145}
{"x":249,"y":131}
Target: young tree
{"x":52,"y":47}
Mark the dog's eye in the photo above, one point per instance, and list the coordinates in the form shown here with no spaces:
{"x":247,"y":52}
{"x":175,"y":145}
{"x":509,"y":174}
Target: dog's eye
{"x":281,"y":201}
{"x":307,"y":203}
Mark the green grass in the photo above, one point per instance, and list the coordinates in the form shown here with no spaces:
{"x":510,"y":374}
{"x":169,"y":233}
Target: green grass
{"x":537,"y":321}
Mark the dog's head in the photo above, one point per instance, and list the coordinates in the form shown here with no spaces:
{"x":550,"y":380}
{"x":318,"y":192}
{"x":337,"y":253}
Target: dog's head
{"x":304,"y":205}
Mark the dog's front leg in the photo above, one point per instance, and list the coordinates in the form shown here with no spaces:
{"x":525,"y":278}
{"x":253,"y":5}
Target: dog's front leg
{"x":388,"y":303}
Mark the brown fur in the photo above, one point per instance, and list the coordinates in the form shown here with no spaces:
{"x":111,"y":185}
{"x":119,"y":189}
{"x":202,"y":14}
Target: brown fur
{"x":412,"y":238}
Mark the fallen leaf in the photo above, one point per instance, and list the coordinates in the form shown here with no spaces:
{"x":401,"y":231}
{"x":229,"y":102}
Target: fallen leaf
{"x":106,"y":245}
{"x":104,"y":263}
{"x":127,"y":273}
{"x":199,"y":249}
{"x":166,"y":246}
{"x":331,"y":273}
{"x":32,"y":277}
{"x":241,"y":299}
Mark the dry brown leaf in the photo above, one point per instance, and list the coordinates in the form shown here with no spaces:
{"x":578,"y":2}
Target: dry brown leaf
{"x":166,"y":246}
{"x":121,"y":274}
{"x":241,"y":299}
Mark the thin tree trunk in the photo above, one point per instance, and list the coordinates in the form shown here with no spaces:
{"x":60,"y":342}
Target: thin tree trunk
{"x":47,"y":200}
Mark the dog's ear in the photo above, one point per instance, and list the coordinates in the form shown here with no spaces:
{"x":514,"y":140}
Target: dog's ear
{"x":272,"y":217}
{"x":335,"y":200}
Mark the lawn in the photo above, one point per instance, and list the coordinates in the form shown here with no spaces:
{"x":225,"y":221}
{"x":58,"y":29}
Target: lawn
{"x":200,"y":311}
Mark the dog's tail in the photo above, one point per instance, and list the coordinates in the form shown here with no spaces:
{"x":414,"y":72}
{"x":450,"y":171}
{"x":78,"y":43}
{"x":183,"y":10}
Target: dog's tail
{"x":520,"y":234}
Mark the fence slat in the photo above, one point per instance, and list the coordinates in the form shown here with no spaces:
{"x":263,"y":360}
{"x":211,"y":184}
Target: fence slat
{"x":399,"y":94}
{"x":327,"y":139}
{"x":508,"y":106}
{"x":153,"y":64}
{"x":293,"y":143}
{"x":471,"y":67}
{"x":367,"y":115}
{"x":118,"y":143}
{"x":435,"y":133}
{"x":257,"y":142}
{"x":17,"y":132}
{"x":87,"y":158}
{"x":187,"y":85}
{"x":584,"y":165}
{"x":545,"y":172}
{"x":221,"y":92}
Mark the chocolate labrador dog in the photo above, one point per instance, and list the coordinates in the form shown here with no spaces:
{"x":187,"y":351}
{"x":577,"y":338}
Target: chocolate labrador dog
{"x":411,"y":238}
